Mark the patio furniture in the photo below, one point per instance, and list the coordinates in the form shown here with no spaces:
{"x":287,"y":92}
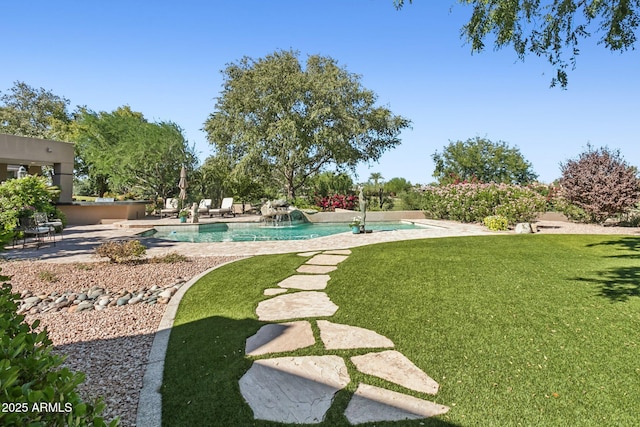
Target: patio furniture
{"x":225,"y":208}
{"x":246,"y":208}
{"x":204,"y":206}
{"x":170,"y":207}
{"x":29,"y":228}
{"x":54,"y":224}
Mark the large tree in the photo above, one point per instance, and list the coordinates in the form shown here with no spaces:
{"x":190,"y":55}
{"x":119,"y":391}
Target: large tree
{"x":480,"y":159}
{"x":123,"y":152}
{"x":36,"y":113}
{"x":287,"y":122}
{"x":601,"y":182}
{"x":551,"y":29}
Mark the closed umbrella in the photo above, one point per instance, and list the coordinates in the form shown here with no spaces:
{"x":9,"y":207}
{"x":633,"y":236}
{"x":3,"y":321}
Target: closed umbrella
{"x":182,"y":185}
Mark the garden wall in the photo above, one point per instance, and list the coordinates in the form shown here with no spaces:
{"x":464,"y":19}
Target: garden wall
{"x":374,"y":216}
{"x":88,"y":213}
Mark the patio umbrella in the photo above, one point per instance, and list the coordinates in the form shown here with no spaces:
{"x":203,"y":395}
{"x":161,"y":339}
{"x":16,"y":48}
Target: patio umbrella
{"x":363,"y":206}
{"x":182,"y":185}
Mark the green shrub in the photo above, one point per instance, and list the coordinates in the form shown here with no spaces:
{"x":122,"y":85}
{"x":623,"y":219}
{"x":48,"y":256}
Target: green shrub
{"x":496,"y":223}
{"x":571,"y":211}
{"x":410,"y":200}
{"x":169,"y":258}
{"x":471,"y":202}
{"x":34,"y":389}
{"x":23,"y":196}
{"x":121,"y":251}
{"x":48,"y":276}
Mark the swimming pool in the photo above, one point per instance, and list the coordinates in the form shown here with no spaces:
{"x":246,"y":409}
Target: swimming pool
{"x":254,"y":232}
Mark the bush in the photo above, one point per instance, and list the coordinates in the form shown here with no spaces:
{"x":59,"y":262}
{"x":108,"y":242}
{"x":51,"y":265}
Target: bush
{"x":601,"y":183}
{"x":169,"y":258}
{"x":337,"y":201}
{"x":23,"y":196}
{"x":410,"y":200}
{"x":33,"y":387}
{"x":496,"y":223}
{"x":474,"y":202}
{"x":571,"y":211}
{"x":121,"y":251}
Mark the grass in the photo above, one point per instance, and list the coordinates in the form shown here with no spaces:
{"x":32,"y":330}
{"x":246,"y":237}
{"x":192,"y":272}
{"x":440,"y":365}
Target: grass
{"x":518,"y":330}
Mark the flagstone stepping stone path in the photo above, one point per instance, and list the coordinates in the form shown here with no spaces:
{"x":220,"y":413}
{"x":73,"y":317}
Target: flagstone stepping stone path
{"x":301,"y":389}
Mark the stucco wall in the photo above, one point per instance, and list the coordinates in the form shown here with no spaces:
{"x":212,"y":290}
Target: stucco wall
{"x":34,"y":153}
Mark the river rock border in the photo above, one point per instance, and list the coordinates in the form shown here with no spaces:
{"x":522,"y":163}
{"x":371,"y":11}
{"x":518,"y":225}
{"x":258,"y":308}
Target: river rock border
{"x":95,"y":298}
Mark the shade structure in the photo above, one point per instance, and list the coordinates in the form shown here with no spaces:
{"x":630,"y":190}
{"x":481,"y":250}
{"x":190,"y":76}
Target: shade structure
{"x":182,"y":185}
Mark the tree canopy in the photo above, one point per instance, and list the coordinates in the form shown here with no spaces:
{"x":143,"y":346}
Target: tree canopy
{"x":36,"y":113}
{"x":551,"y":29}
{"x":286,"y":122}
{"x":601,"y":182}
{"x":479,"y":159}
{"x":122,"y":151}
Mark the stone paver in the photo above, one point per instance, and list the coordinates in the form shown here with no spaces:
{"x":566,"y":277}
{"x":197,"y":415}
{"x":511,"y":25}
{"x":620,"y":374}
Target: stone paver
{"x":306,"y":282}
{"x":393,"y":366}
{"x":322,"y":259}
{"x":296,"y":305}
{"x":316,"y":269}
{"x":335,"y":336}
{"x":375,"y":404}
{"x":306,"y":254}
{"x":274,"y":291}
{"x":279,"y":337}
{"x":338,"y":252}
{"x":293,"y":389}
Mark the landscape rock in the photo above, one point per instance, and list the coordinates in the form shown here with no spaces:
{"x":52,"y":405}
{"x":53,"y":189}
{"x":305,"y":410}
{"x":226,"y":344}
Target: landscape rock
{"x":523,"y":228}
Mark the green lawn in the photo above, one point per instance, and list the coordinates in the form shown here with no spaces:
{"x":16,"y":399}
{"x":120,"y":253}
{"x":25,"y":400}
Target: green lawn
{"x":526,"y":330}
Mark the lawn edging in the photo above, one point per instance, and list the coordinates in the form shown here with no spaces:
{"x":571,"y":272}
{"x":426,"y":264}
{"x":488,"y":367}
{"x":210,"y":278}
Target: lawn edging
{"x":149,"y":412}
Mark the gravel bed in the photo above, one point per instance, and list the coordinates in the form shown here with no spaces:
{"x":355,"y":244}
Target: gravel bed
{"x":110,"y":346}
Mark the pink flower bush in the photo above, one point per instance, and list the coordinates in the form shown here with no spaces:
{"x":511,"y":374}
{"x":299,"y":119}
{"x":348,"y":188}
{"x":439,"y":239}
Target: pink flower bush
{"x":337,"y":201}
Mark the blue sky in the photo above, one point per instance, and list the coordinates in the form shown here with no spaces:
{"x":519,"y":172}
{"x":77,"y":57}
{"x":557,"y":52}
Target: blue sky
{"x":164,"y":59}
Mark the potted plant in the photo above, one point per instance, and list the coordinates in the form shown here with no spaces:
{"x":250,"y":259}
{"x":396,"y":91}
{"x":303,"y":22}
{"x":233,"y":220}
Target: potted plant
{"x":355,"y":224}
{"x":183,"y":214}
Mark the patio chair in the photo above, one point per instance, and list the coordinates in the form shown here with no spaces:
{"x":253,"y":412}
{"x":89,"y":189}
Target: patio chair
{"x":42,"y":220}
{"x":30,"y":228}
{"x":170,"y":207}
{"x":225,"y":208}
{"x":204,"y":206}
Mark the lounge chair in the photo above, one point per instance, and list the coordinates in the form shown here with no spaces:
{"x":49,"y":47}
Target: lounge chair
{"x":204,"y":206}
{"x":225,"y":208}
{"x":170,"y":207}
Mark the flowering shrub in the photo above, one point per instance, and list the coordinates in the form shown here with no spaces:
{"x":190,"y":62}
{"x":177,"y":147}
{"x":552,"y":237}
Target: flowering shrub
{"x":474,"y":202}
{"x":337,"y":201}
{"x":496,"y":223}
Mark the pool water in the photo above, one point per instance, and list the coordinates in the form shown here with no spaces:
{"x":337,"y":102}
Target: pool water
{"x":238,"y":232}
